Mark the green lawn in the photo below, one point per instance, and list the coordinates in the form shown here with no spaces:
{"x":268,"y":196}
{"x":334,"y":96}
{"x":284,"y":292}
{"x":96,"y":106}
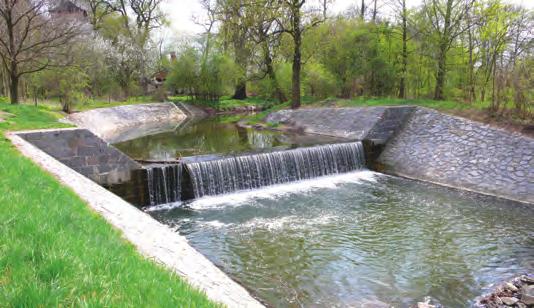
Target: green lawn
{"x":439,"y":105}
{"x":54,"y":251}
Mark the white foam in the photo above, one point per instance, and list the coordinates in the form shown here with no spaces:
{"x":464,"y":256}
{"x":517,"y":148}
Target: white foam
{"x":276,"y":191}
{"x":291,"y":222}
{"x":271,"y":192}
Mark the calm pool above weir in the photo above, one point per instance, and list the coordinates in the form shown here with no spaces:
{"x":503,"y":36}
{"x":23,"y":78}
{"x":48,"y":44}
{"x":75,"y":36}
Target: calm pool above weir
{"x":213,"y":136}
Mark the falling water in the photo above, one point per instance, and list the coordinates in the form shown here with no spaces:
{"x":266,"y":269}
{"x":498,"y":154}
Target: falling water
{"x":164,"y":184}
{"x":253,"y":171}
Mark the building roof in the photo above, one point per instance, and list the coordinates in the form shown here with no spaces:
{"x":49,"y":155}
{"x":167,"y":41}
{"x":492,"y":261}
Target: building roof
{"x":66,"y":6}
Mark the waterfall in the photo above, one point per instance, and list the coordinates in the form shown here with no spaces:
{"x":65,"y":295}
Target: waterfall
{"x":164,"y":184}
{"x":253,"y":171}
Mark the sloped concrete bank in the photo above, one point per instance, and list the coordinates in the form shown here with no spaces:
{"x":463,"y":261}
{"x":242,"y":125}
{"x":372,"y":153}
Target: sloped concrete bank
{"x":80,"y":159}
{"x":153,"y":239}
{"x":129,"y":122}
{"x":427,"y":145}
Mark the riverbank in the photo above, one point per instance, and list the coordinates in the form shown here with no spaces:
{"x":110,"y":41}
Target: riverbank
{"x":54,"y":251}
{"x":476,"y":111}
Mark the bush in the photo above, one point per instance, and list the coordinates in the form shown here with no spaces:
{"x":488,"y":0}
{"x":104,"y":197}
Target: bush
{"x":4,"y":100}
{"x":318,"y":82}
{"x":203,"y":78}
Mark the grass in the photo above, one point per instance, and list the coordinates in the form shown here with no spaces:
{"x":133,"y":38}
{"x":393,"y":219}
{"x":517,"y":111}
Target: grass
{"x":54,"y":251}
{"x":439,"y":105}
{"x":94,"y":104}
{"x":55,"y":105}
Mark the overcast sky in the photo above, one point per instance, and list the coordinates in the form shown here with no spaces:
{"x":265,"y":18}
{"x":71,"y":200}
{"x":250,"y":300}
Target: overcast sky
{"x":181,"y":12}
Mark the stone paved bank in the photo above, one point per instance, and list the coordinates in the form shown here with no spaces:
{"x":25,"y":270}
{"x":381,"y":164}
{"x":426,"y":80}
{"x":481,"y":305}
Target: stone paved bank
{"x":464,"y":154}
{"x":427,"y":145}
{"x":84,"y":152}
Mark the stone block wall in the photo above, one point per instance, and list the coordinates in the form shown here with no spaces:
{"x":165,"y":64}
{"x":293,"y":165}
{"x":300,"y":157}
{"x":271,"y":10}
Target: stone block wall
{"x":464,"y":154}
{"x":84,"y":152}
{"x":427,"y":145}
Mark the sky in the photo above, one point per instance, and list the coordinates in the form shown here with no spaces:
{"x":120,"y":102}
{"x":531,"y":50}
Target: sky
{"x":182,"y":13}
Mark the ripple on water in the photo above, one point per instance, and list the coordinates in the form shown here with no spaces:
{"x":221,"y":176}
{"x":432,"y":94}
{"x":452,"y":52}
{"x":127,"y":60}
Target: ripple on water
{"x":361,"y":238}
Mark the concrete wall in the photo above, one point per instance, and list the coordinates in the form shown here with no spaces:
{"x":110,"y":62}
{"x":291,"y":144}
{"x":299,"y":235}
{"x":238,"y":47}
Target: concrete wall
{"x":129,"y":122}
{"x":353,"y":123}
{"x":84,"y":152}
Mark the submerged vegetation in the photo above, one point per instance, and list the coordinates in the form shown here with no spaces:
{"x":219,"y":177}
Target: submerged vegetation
{"x":55,"y":252}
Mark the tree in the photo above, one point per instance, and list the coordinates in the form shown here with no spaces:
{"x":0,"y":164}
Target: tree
{"x":403,"y":14}
{"x":266,"y":36}
{"x":296,"y":21}
{"x":446,"y":21}
{"x":236,"y":21}
{"x":30,"y":40}
{"x":146,"y":16}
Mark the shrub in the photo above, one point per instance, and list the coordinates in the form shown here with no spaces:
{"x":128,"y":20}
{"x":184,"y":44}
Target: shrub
{"x":319,"y":82}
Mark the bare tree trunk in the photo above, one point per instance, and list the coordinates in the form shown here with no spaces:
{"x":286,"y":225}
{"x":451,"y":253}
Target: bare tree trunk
{"x":297,"y":59}
{"x":240,"y":90}
{"x":271,"y":73}
{"x":404,"y":69}
{"x":494,"y":105}
{"x":471,"y":87}
{"x":241,"y":58}
{"x":442,"y":54}
{"x":14,"y":86}
{"x":374,"y":11}
{"x":440,"y":77}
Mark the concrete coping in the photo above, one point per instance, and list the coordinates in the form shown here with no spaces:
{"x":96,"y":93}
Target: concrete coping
{"x":161,"y":244}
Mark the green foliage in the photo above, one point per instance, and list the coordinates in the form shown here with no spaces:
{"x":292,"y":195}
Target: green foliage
{"x":429,"y":103}
{"x":319,"y":82}
{"x":54,"y":251}
{"x":4,"y":100}
{"x":265,"y":87}
{"x":355,"y":55}
{"x":200,"y":77}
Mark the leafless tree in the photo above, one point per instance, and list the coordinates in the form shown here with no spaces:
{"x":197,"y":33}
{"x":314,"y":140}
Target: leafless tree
{"x":30,"y":40}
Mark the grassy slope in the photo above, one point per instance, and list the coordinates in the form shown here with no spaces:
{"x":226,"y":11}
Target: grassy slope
{"x":55,"y":251}
{"x":54,"y":105}
{"x":439,"y":105}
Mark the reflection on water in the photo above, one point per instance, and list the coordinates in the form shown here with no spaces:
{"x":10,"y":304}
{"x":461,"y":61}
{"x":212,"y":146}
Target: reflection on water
{"x":209,"y":136}
{"x":390,"y":239}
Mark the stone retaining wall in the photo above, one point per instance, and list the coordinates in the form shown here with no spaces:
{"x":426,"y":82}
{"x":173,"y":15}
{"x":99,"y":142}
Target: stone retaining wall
{"x":128,"y":122}
{"x":464,"y":154}
{"x":427,"y":145}
{"x":84,"y":152}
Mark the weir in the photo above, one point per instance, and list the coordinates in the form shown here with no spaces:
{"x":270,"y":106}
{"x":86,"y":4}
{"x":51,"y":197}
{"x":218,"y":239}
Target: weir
{"x":230,"y":174}
{"x":164,"y":184}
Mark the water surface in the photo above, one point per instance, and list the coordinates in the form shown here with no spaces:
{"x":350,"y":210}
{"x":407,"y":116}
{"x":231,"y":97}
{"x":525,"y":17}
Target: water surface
{"x":361,"y":239}
{"x":214,"y":135}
